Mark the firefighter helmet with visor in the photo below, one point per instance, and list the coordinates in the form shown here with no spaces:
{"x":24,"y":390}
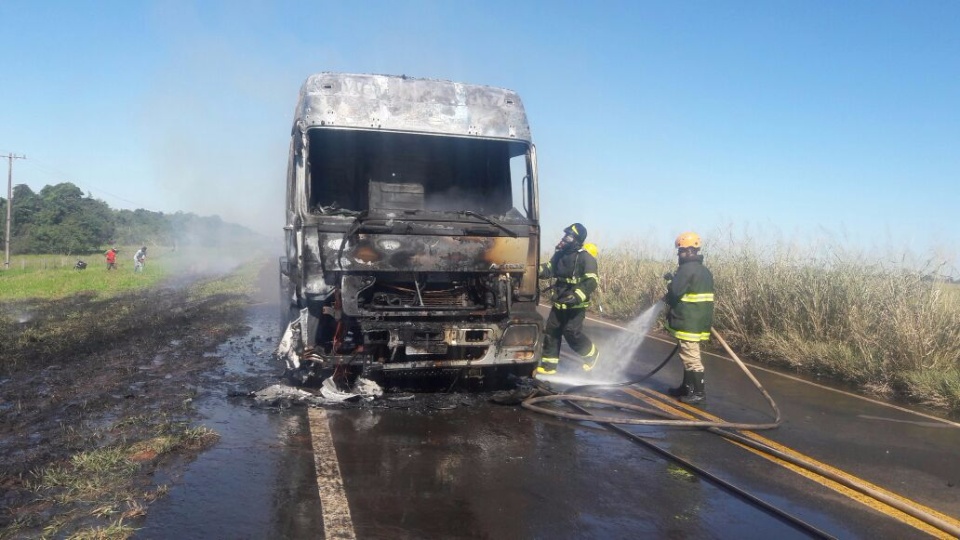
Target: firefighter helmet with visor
{"x":577,"y":231}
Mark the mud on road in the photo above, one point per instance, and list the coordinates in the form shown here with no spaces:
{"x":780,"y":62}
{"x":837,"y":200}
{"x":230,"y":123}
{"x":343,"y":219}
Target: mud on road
{"x":96,"y":397}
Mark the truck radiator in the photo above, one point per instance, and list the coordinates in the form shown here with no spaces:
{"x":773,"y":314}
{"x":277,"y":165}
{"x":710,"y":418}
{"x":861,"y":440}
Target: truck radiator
{"x":400,"y":298}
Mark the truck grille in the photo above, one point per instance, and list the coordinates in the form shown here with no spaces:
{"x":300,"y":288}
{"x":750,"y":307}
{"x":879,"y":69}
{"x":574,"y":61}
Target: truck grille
{"x":400,"y":299}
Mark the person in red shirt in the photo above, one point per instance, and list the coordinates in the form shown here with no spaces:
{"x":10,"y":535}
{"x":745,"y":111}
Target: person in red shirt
{"x":111,"y":258}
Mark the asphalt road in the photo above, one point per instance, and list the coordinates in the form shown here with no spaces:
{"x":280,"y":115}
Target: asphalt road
{"x":461,"y":467}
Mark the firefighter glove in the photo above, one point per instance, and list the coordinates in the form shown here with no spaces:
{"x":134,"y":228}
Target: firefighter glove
{"x":668,"y":276}
{"x":569,"y":300}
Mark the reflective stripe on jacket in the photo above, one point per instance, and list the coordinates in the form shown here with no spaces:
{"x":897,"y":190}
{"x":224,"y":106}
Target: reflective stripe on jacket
{"x":574,"y":273}
{"x":690,"y":296}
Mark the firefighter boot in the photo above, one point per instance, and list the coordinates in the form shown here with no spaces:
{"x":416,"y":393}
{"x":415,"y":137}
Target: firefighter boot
{"x":685,"y":387}
{"x":590,"y":361}
{"x":548,"y":366}
{"x":697,"y":394}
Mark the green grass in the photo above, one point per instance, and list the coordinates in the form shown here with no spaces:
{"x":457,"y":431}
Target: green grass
{"x":99,"y":483}
{"x":241,"y":281}
{"x":53,"y":276}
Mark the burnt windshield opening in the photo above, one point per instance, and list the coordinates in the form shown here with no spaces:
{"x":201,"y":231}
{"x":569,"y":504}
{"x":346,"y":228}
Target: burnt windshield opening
{"x":354,"y":171}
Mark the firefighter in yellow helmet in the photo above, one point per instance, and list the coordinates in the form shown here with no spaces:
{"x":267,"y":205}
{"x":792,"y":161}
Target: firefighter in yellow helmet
{"x":574,"y":271}
{"x":689,"y":299}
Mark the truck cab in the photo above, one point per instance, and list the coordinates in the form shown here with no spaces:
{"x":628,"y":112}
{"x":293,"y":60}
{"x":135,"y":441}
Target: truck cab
{"x":412,"y":234}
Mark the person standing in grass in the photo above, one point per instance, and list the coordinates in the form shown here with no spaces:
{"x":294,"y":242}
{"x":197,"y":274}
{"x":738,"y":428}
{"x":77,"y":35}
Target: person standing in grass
{"x":689,"y":300}
{"x":112,"y":259}
{"x":139,"y":259}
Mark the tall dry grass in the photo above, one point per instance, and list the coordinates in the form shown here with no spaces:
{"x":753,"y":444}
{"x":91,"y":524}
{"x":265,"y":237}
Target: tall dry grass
{"x":887,"y":329}
{"x":631,"y":280}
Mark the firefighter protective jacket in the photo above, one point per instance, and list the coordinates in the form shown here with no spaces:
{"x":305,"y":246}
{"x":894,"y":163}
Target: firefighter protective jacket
{"x":574,"y":273}
{"x":690,"y":298}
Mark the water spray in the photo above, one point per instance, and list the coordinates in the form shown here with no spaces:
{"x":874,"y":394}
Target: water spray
{"x":630,"y":342}
{"x":611,"y":370}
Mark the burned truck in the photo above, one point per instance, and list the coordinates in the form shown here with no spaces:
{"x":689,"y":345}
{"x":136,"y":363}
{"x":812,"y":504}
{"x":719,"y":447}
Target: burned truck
{"x":412,"y":233}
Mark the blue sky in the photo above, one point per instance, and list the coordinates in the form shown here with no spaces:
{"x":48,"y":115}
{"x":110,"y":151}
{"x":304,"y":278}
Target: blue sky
{"x":797,"y":120}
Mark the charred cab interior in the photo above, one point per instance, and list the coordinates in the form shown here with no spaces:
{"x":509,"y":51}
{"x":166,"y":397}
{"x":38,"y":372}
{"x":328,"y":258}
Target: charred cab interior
{"x":357,"y":171}
{"x":412,"y":188}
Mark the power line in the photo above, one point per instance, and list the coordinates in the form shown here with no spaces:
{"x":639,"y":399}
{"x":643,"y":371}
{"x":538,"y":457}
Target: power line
{"x":60,"y":175}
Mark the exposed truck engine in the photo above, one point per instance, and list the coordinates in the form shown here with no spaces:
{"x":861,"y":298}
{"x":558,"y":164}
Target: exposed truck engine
{"x":412,"y":232}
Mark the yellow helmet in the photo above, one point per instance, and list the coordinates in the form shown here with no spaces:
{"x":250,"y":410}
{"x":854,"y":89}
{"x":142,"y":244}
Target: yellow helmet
{"x":688,"y":240}
{"x":591,"y":249}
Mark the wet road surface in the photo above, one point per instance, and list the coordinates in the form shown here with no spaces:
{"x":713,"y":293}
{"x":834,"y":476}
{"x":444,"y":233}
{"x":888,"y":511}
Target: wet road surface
{"x":258,"y":481}
{"x":463,"y":467}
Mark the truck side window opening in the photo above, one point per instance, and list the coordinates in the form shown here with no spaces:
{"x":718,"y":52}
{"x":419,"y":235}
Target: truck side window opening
{"x":454,"y":173}
{"x":518,"y":177}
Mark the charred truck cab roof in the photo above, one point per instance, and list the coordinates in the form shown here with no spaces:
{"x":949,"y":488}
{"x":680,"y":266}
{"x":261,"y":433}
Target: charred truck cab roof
{"x":412,"y":229}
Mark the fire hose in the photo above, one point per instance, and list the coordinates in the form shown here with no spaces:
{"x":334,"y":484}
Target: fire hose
{"x":533,"y":403}
{"x":722,"y":429}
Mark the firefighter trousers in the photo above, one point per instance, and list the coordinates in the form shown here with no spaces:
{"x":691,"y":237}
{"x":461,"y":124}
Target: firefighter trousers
{"x":690,"y":356}
{"x":568,"y":324}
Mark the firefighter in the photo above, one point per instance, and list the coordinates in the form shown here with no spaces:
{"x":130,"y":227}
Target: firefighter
{"x":574,"y":271}
{"x":689,"y":300}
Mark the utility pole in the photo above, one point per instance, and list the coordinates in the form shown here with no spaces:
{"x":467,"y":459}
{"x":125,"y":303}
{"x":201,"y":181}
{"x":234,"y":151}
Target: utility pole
{"x":10,"y":158}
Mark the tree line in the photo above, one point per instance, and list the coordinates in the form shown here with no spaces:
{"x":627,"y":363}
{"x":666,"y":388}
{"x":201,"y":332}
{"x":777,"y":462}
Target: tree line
{"x":61,"y":219}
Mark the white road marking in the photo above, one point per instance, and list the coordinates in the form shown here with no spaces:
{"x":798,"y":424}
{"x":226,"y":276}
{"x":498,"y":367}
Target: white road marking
{"x":882,"y":419}
{"x":337,"y":522}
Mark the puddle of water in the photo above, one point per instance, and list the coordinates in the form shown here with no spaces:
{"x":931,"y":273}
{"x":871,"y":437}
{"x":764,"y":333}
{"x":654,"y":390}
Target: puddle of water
{"x":251,"y":484}
{"x":227,"y":492}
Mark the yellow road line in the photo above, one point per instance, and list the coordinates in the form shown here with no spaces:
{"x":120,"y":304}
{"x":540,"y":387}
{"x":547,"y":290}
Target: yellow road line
{"x":790,"y":377}
{"x":337,"y":522}
{"x":651,"y":398}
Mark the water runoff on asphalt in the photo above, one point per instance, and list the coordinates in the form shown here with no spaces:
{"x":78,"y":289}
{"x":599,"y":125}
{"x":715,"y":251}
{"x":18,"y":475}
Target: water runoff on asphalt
{"x":617,"y":355}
